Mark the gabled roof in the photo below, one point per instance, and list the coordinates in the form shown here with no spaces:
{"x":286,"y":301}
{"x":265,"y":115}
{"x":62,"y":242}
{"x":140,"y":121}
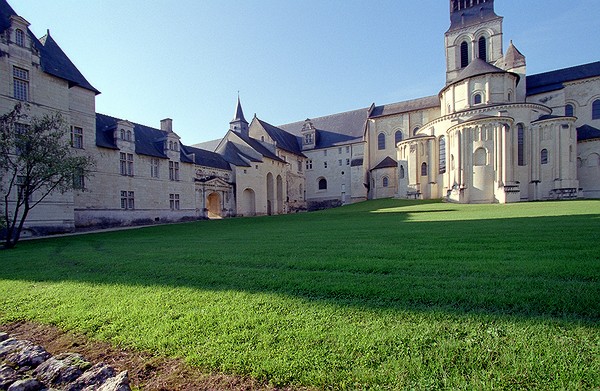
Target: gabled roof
{"x":259,"y":147}
{"x":334,"y":129}
{"x":406,"y":106}
{"x":233,"y":155}
{"x":56,"y":63}
{"x":206,"y":158}
{"x":386,"y":163}
{"x":148,"y":141}
{"x":513,"y":57}
{"x":53,"y":60}
{"x":587,"y":132}
{"x":552,"y":81}
{"x":284,"y":140}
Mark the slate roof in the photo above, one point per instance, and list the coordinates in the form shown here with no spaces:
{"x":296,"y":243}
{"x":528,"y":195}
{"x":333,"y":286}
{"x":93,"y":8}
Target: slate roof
{"x":259,"y":147}
{"x":406,"y":106}
{"x":233,"y":155}
{"x":148,"y":141}
{"x":334,"y":129}
{"x":386,"y":163}
{"x":53,"y":60}
{"x":477,"y":67}
{"x":206,"y":158}
{"x":239,"y":113}
{"x":284,"y":140}
{"x":553,"y":80}
{"x":587,"y":132}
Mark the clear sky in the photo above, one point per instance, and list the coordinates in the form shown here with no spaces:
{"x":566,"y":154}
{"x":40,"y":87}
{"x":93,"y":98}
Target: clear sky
{"x":289,"y":59}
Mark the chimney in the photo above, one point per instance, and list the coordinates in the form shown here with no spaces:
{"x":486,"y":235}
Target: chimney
{"x":166,"y":125}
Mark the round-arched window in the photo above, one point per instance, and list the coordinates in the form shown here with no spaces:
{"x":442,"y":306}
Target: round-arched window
{"x":322,"y":184}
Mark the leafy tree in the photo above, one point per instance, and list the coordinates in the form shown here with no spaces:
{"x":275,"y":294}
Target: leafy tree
{"x":36,"y":160}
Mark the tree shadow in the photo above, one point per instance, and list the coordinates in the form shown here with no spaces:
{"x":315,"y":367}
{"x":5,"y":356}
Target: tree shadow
{"x":542,"y":267}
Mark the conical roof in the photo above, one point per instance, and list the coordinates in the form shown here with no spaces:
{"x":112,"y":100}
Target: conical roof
{"x":477,"y":67}
{"x":239,"y":113}
{"x":513,"y":57}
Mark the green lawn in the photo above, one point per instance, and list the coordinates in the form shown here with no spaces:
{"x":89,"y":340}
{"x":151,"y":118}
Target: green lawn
{"x":384,"y":294}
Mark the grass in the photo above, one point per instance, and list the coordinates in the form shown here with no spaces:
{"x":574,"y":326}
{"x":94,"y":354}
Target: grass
{"x":385,"y":294}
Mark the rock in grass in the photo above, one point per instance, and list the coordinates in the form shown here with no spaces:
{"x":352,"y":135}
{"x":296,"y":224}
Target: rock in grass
{"x":26,"y":385}
{"x":92,"y":378}
{"x":61,"y":369}
{"x":117,"y":383}
{"x":8,"y":346}
{"x":27,"y":354}
{"x":7,"y":376}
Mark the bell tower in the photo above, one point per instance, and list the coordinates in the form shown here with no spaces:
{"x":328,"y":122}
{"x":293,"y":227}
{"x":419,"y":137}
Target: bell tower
{"x":475,"y":32}
{"x":239,"y":123}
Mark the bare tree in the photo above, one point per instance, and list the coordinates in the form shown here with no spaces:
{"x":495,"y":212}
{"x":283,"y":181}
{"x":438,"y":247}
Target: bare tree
{"x":36,"y":160}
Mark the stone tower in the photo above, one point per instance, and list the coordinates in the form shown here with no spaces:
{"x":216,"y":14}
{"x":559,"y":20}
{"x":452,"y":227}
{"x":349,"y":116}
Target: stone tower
{"x":475,"y":32}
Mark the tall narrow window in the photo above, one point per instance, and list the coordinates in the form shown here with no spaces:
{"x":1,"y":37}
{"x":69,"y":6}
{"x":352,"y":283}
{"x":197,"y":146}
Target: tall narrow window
{"x":20,"y":37}
{"x":127,"y":200}
{"x":424,"y":169}
{"x":130,"y":164}
{"x":21,"y":83}
{"x":596,"y":109}
{"x":123,"y":163}
{"x":76,"y":137}
{"x":569,"y":110}
{"x":477,"y":99}
{"x":385,"y":182}
{"x":442,"y":155}
{"x":544,"y":156}
{"x":174,"y":201}
{"x":173,"y":171}
{"x":482,"y":49}
{"x":381,"y":141}
{"x":78,"y":180}
{"x":154,"y":167}
{"x":401,"y":175}
{"x":520,"y":145}
{"x":398,"y":136}
{"x":464,"y":54}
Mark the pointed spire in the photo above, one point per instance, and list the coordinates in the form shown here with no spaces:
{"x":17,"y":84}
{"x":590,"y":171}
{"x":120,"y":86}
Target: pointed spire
{"x":239,"y":123}
{"x":513,"y":57}
{"x":239,"y":113}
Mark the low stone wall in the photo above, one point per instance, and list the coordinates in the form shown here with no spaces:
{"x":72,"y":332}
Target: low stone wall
{"x":28,"y":367}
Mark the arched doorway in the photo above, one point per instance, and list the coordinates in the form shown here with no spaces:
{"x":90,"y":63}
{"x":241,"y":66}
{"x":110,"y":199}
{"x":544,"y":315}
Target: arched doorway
{"x":248,"y":202}
{"x":279,"y":195}
{"x":270,"y":193}
{"x":214,"y":205}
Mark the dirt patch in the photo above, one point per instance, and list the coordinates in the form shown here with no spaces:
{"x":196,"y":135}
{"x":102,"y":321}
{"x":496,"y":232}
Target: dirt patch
{"x":146,"y":372}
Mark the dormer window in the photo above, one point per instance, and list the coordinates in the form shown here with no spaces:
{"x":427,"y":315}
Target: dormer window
{"x":122,"y":132}
{"x":20,"y":37}
{"x":129,"y":135}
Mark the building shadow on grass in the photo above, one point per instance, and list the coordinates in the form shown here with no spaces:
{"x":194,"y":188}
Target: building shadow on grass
{"x":546,"y":267}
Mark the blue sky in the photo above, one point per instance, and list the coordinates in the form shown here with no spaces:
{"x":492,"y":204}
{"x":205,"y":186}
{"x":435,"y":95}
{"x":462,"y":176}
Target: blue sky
{"x":290,"y":60}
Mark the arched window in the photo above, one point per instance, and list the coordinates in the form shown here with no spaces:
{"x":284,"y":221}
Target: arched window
{"x":122,"y":134}
{"x":129,"y":135}
{"x":322,"y":184}
{"x":20,"y":37}
{"x":424,"y":169}
{"x":509,"y":96}
{"x":442,"y":154}
{"x":477,"y":99}
{"x":544,"y":156}
{"x":480,"y":157}
{"x":170,"y":145}
{"x":569,"y":110}
{"x":596,"y":109}
{"x":464,"y":54}
{"x":381,"y":141}
{"x":520,"y":145}
{"x":483,"y":49}
{"x":415,"y":130}
{"x":401,"y":175}
{"x":398,"y":136}
{"x":385,"y":181}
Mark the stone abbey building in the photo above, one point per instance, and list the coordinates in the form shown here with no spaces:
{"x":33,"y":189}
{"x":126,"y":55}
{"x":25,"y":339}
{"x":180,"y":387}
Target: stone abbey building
{"x":492,"y":134}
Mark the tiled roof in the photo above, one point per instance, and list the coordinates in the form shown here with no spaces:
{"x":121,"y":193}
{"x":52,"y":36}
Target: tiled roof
{"x":284,"y":140}
{"x":206,"y":158}
{"x":259,"y":147}
{"x":551,"y":81}
{"x":53,"y":60}
{"x":386,"y":163}
{"x":334,"y":129}
{"x":406,"y":106}
{"x":587,"y":132}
